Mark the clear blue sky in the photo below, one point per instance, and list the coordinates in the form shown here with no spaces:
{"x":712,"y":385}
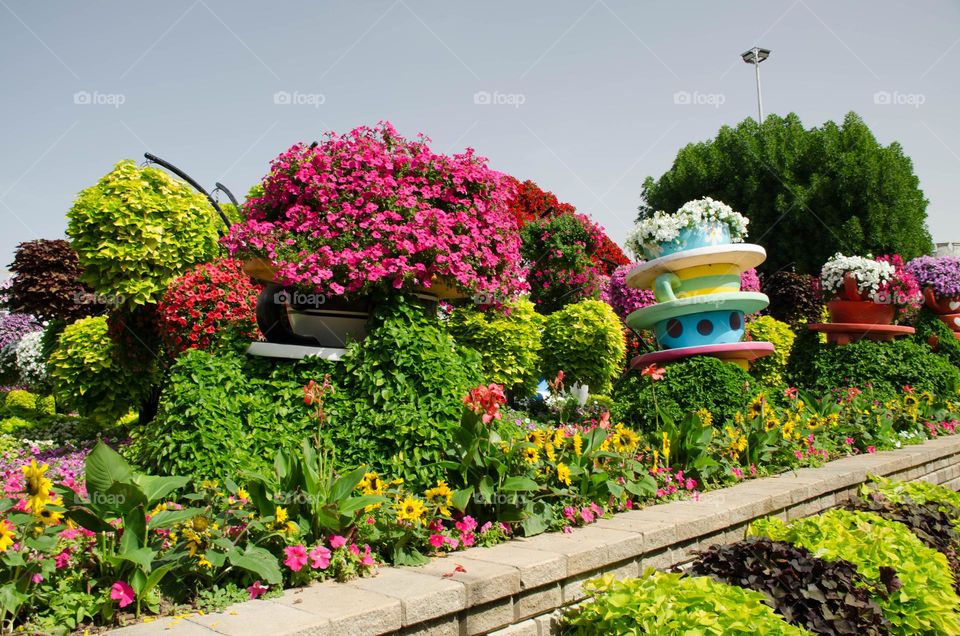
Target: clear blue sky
{"x":586,"y":90}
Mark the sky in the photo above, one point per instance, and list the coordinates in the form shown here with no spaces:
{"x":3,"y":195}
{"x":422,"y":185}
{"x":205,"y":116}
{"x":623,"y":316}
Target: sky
{"x":585,"y":98}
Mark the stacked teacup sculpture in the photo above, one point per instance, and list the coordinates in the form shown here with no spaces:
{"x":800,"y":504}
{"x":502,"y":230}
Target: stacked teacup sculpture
{"x":700,"y":309}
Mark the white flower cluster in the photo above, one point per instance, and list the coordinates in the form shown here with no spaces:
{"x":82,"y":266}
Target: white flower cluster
{"x":663,"y":227}
{"x":870,"y":275}
{"x":32,"y":368}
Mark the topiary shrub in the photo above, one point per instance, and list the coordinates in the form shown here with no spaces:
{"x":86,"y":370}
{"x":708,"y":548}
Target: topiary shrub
{"x":662,"y":603}
{"x":688,"y":385}
{"x":826,"y":597}
{"x":886,"y":366}
{"x":21,"y":400}
{"x":794,"y":298}
{"x":934,"y":333}
{"x":46,"y":282}
{"x":212,"y":304}
{"x":399,"y":396}
{"x":137,"y":229}
{"x":912,"y":582}
{"x":770,"y":369}
{"x":560,"y":250}
{"x":86,"y":377}
{"x":508,"y":341}
{"x":585,"y":341}
{"x":216,"y":418}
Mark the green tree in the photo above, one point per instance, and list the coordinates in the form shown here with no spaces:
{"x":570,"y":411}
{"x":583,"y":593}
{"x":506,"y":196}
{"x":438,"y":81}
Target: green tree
{"x":808,"y":193}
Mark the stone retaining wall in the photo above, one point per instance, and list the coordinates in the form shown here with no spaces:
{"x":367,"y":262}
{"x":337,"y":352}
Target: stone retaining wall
{"x":517,"y":587}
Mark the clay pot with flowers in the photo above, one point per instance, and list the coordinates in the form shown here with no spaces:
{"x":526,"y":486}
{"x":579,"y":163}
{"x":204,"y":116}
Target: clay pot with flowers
{"x":866,"y":290}
{"x":337,"y":224}
{"x":939,"y":278}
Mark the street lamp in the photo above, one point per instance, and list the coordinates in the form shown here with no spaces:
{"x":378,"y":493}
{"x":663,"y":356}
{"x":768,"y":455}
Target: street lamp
{"x":755,"y":56}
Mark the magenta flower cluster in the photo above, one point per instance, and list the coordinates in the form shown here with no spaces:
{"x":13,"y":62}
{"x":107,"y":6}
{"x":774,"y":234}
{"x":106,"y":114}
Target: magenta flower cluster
{"x":941,"y":273}
{"x":749,"y":281}
{"x":624,"y":300}
{"x":371,"y":210}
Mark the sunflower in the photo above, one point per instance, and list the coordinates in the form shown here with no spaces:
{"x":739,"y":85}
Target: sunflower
{"x":411,"y":509}
{"x":441,"y":496}
{"x":563,"y":474}
{"x":530,"y":454}
{"x":7,"y":535}
{"x":48,"y":517}
{"x":38,"y":486}
{"x":195,"y":543}
{"x":551,"y":451}
{"x":623,"y":439}
{"x":371,"y":484}
{"x":558,"y":438}
{"x":537,"y":437}
{"x":755,"y":409}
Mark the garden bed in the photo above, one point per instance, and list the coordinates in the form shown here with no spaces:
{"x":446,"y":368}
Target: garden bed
{"x":516,"y":587}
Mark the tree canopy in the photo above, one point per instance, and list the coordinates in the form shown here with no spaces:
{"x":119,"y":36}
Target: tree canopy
{"x":808,"y":193}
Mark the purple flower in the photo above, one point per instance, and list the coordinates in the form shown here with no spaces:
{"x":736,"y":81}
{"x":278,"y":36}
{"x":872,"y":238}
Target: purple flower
{"x":16,"y":326}
{"x":749,"y":281}
{"x":942,"y":273}
{"x":624,"y":300}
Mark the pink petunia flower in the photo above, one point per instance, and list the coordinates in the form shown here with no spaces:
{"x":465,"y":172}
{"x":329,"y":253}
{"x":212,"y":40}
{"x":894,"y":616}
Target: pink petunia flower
{"x":320,"y":558}
{"x":336,"y":541}
{"x":296,"y":557}
{"x":436,"y":540}
{"x":257,"y":590}
{"x":123,"y":593}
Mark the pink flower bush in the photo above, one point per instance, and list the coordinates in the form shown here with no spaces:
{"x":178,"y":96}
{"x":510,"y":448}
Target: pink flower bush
{"x":624,"y":300}
{"x":371,"y":209}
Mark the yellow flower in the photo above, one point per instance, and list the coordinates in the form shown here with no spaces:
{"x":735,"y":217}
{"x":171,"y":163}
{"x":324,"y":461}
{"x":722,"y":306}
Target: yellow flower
{"x":291,"y":527}
{"x":623,"y":439}
{"x":756,"y":407}
{"x":558,"y":437}
{"x":666,"y":448}
{"x":563,"y":474}
{"x":281,"y":516}
{"x":371,"y":484}
{"x":551,"y":451}
{"x":7,"y":535}
{"x":38,"y":486}
{"x":530,"y":455}
{"x":706,"y":417}
{"x":202,"y":562}
{"x":441,"y":496}
{"x":577,"y":444}
{"x":48,"y":517}
{"x":411,"y":509}
{"x":537,"y":437}
{"x":242,"y":493}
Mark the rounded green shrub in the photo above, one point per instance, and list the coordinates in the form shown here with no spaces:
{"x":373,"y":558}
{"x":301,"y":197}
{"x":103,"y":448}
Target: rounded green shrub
{"x":508,"y":341}
{"x":769,"y":370}
{"x":585,"y":341}
{"x":21,"y":400}
{"x":886,"y":366}
{"x":700,"y":382}
{"x":920,"y":601}
{"x":136,"y":230}
{"x":669,"y":603}
{"x":47,"y":405}
{"x":15,"y":424}
{"x":87,"y":378}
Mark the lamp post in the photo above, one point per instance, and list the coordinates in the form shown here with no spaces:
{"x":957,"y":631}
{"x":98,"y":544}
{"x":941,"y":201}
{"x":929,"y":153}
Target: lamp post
{"x":755,"y":56}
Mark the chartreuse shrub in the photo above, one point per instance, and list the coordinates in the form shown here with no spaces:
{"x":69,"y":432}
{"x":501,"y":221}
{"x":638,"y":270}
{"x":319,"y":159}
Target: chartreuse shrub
{"x":508,"y":341}
{"x":826,"y":597}
{"x":700,"y":382}
{"x":912,"y":582}
{"x":86,"y":377}
{"x":585,"y":341}
{"x":886,"y":366}
{"x":20,"y":400}
{"x":137,"y":229}
{"x":399,"y":396}
{"x":769,"y":370}
{"x":663,"y":604}
{"x":920,"y":492}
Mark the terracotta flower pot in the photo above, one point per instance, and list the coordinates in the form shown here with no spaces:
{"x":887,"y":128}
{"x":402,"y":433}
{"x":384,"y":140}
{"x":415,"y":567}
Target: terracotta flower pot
{"x":941,"y":305}
{"x":862,"y":312}
{"x":952,"y":321}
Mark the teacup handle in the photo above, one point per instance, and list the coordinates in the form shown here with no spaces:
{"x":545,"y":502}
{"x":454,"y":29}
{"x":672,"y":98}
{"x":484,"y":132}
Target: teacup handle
{"x":664,"y":286}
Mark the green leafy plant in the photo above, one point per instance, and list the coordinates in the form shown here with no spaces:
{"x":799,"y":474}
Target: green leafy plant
{"x":912,"y":582}
{"x":826,"y":597}
{"x":87,"y":378}
{"x":137,"y":229}
{"x":933,"y":332}
{"x":508,"y":341}
{"x":921,"y":492}
{"x":769,"y":370}
{"x":585,"y":341}
{"x":664,"y":604}
{"x":884,"y":366}
{"x":699,"y":382}
{"x":20,"y":400}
